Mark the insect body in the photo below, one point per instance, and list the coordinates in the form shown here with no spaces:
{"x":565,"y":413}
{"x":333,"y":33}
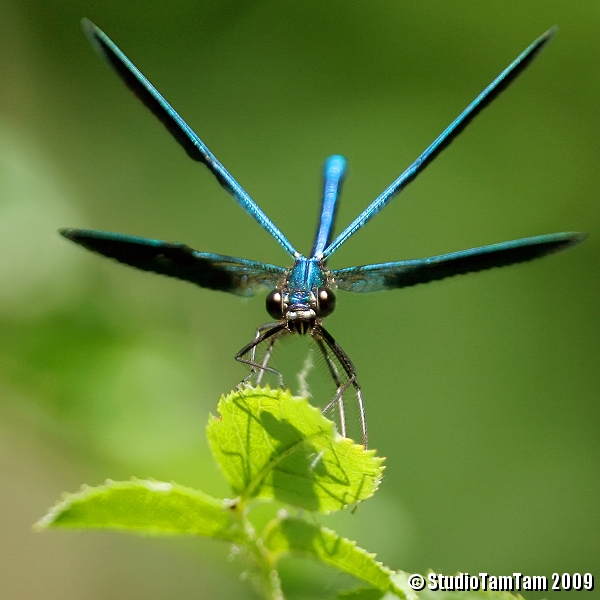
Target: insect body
{"x":303,"y":295}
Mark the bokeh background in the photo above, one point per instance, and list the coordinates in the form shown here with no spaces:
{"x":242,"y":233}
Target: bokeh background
{"x":482,"y":391}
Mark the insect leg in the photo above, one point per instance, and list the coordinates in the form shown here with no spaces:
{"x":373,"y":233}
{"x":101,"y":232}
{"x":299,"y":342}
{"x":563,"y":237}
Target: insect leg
{"x":319,"y":333}
{"x":257,"y":334}
{"x":340,"y":387}
{"x":265,"y":362}
{"x":270,"y":332}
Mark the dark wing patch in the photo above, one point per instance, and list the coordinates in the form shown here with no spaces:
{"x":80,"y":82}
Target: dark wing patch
{"x":213,"y":271}
{"x":404,"y":273}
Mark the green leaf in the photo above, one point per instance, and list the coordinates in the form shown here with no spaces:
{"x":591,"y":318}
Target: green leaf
{"x":271,"y":444}
{"x":401,"y":580}
{"x":479,"y":595}
{"x":362,"y":594}
{"x":289,"y":535}
{"x":151,"y":507}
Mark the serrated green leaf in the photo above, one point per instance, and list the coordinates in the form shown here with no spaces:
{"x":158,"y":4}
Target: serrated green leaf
{"x":437,"y":595}
{"x":479,"y":595}
{"x":361,"y":594}
{"x":401,"y":580}
{"x":289,"y":535}
{"x":151,"y":507}
{"x":271,"y":444}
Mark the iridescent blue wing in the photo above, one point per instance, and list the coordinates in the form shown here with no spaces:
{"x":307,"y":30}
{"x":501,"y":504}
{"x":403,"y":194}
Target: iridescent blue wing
{"x":404,"y":273}
{"x":214,"y":271}
{"x":178,"y":128}
{"x":491,"y":92}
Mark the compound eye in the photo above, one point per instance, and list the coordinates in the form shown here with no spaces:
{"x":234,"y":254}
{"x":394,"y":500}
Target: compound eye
{"x":325,"y":301}
{"x":275,"y":304}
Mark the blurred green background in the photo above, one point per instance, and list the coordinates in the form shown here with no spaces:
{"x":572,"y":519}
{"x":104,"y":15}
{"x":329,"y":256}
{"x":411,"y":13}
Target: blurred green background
{"x":480,"y":390}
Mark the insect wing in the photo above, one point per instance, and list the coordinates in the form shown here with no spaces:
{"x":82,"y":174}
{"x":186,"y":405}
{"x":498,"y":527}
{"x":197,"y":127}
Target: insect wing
{"x":213,"y":271}
{"x":491,"y":92}
{"x":404,"y":273}
{"x":177,"y":127}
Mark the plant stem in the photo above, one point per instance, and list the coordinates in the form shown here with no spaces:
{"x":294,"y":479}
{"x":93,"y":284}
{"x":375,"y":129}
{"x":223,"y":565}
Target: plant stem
{"x":270,"y":581}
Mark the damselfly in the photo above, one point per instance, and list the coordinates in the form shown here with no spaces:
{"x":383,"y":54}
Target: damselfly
{"x":302,"y":295}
